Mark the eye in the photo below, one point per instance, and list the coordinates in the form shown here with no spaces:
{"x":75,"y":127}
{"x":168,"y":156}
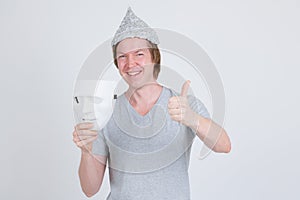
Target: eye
{"x":140,"y":54}
{"x":121,"y":56}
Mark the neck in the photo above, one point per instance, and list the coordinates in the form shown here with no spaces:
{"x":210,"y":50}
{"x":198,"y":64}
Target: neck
{"x":143,"y":98}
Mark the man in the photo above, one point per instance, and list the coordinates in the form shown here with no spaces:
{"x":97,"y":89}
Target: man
{"x":148,"y":138}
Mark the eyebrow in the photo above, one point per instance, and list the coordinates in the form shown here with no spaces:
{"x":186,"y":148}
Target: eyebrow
{"x":135,"y":51}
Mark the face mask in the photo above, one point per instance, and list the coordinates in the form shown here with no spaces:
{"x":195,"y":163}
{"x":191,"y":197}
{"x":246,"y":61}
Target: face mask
{"x":96,"y":109}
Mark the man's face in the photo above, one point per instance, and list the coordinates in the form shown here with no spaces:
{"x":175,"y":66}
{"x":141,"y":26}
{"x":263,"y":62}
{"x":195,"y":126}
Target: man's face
{"x":134,"y":62}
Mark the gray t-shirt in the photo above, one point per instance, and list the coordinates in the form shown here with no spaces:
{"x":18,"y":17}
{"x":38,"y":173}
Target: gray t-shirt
{"x":148,"y":156}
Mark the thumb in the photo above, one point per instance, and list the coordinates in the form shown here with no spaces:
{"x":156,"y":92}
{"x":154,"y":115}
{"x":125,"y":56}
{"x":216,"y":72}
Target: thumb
{"x":185,"y":88}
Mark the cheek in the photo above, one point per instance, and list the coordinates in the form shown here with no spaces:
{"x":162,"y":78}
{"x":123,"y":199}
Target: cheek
{"x":148,"y":60}
{"x":121,"y":65}
{"x":142,"y":62}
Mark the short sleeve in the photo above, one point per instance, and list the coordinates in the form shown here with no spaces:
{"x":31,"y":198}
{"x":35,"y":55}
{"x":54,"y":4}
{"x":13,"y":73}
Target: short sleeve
{"x":99,"y":145}
{"x":198,"y":107}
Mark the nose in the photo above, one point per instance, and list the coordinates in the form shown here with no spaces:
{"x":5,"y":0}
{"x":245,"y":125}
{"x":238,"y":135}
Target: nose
{"x":131,"y":61}
{"x":87,"y":107}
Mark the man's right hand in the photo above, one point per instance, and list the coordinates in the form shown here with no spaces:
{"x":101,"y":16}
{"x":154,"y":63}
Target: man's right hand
{"x":83,"y":136}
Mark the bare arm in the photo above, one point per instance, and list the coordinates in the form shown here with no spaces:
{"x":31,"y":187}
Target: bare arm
{"x":91,"y":173}
{"x":92,"y":167}
{"x":213,"y":136}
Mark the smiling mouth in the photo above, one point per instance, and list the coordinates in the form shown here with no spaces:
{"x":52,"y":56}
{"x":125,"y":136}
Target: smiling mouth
{"x":134,"y":73}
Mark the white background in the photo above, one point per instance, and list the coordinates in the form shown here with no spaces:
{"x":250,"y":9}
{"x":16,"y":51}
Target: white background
{"x":255,"y":46}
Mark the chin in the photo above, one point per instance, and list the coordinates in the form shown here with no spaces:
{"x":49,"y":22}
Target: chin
{"x":135,"y":85}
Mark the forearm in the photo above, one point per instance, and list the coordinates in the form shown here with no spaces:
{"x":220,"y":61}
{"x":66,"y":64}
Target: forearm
{"x":91,"y":173}
{"x":212,"y":135}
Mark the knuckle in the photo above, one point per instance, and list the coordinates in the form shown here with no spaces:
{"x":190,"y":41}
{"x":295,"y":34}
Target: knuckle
{"x":74,"y":133}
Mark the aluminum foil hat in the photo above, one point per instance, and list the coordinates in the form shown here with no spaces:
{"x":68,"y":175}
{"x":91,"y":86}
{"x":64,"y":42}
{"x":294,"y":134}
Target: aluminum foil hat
{"x":132,"y":26}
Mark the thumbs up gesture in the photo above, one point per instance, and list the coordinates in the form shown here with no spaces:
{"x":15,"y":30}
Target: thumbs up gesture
{"x":179,"y":108}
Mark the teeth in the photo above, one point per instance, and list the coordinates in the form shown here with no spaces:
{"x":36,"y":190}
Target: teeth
{"x":133,"y":73}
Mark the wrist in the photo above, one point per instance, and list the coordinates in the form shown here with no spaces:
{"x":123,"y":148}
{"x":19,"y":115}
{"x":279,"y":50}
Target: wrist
{"x":193,"y":121}
{"x":85,"y":153}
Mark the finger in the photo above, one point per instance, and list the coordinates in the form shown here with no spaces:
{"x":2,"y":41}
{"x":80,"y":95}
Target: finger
{"x":173,"y":99}
{"x":180,"y":106}
{"x":86,"y":133}
{"x":177,"y":118}
{"x":86,"y":142}
{"x":175,"y":111}
{"x":185,"y":88}
{"x":81,"y":138}
{"x":173,"y":105}
{"x":174,"y":102}
{"x":84,"y":126}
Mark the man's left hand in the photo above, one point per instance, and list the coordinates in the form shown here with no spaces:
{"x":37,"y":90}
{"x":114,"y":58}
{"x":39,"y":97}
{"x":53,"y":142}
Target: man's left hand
{"x":179,"y":108}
